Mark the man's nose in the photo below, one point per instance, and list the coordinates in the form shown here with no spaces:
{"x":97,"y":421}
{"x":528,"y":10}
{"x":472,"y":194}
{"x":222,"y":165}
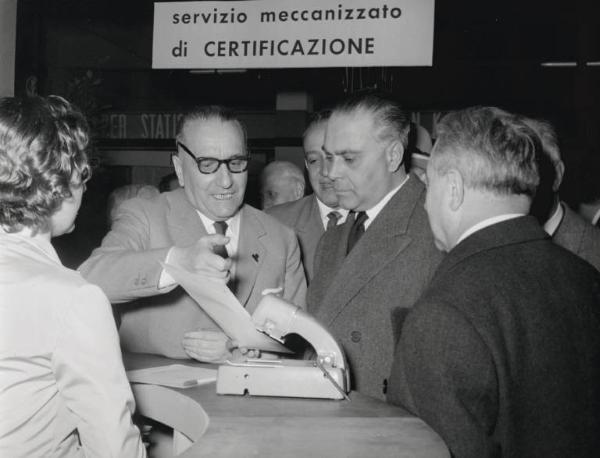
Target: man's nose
{"x":330,"y":169}
{"x":224,"y":177}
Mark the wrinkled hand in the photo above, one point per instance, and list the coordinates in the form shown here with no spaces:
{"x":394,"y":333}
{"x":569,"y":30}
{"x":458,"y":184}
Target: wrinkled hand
{"x":200,"y":258}
{"x":207,"y":346}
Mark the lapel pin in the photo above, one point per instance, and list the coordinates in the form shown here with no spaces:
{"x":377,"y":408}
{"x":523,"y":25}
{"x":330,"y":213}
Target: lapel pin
{"x":255,"y":257}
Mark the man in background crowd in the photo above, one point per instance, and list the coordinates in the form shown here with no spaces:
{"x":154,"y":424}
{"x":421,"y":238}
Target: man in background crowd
{"x":419,"y":147}
{"x":281,"y":182}
{"x":370,"y":270}
{"x":126,"y":192}
{"x":313,"y":214}
{"x":168,"y":182}
{"x":566,"y":227}
{"x":204,"y":228}
{"x":501,"y":353}
{"x":589,"y":202}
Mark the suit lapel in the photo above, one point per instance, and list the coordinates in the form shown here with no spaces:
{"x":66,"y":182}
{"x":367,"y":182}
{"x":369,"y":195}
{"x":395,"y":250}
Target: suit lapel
{"x":309,"y":220}
{"x":309,"y":229}
{"x":570,"y":231}
{"x":251,"y":255}
{"x":186,"y":228}
{"x":185,"y":225}
{"x":383,"y":241}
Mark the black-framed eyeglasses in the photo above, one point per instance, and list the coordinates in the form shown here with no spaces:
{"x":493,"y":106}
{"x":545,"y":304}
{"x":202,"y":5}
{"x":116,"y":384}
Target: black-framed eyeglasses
{"x":208,"y":165}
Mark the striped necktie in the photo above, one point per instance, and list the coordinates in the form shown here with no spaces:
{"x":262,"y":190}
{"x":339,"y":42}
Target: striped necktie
{"x":357,"y":230}
{"x":333,"y":217}
{"x":220,"y":228}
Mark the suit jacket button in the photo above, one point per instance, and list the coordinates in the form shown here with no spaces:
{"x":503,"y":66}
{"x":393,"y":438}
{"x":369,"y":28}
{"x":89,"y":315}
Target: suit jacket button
{"x":355,"y":336}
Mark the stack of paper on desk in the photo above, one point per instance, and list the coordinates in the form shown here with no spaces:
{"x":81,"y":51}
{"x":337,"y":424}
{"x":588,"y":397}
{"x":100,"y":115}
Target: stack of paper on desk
{"x":217,"y":300}
{"x":174,"y":375}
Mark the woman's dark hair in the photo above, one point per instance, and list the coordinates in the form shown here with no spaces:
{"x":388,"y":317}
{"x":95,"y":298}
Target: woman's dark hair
{"x":43,"y":142}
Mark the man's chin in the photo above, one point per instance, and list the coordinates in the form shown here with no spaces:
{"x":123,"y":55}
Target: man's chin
{"x":329,"y":198}
{"x":347,"y":201}
{"x":228,"y":210}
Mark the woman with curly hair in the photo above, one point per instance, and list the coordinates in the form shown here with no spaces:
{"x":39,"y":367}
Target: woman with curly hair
{"x":63,"y":389}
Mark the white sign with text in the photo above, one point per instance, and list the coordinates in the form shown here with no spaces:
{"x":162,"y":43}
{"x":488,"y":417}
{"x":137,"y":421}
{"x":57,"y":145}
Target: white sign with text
{"x":292,"y":33}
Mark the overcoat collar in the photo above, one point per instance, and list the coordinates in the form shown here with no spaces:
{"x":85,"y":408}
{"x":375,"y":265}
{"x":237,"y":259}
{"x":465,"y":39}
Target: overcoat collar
{"x":509,"y":232}
{"x":388,"y":230}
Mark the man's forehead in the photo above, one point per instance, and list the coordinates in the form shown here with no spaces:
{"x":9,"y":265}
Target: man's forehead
{"x":206,"y":136}
{"x":211,"y":126}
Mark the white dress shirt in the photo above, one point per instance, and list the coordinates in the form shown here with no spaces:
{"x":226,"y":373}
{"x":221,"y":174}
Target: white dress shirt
{"x":376,"y":209}
{"x":233,"y":232}
{"x":63,"y":389}
{"x":324,"y":210}
{"x":596,"y":218}
{"x":554,"y":221}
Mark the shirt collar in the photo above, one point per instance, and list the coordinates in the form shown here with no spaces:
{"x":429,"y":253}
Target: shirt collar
{"x":553,"y":222}
{"x":596,"y":217}
{"x":40,"y":242}
{"x":324,"y":210}
{"x":375,"y":210}
{"x":485,"y":223}
{"x":233,"y":223}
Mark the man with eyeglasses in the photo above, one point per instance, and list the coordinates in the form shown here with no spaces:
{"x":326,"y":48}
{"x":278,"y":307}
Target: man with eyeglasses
{"x":204,"y":227}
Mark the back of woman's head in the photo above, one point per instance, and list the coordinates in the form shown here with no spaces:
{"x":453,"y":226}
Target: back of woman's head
{"x":43,"y":143}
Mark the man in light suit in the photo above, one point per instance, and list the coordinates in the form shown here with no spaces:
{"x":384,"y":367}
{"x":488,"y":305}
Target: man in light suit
{"x":313,"y":214}
{"x":501,"y":354}
{"x":362,"y":290}
{"x":252,"y":251}
{"x":567,"y":228}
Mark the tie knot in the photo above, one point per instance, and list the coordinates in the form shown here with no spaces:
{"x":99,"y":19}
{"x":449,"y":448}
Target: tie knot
{"x":220,"y":227}
{"x":333,"y":217}
{"x":361,"y":217}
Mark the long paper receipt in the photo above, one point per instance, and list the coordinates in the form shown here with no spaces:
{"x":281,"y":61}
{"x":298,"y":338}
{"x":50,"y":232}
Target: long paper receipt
{"x":173,"y":375}
{"x":217,"y":300}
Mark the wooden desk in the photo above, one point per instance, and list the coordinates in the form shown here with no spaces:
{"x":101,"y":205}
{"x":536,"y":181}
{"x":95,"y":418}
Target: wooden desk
{"x":241,"y":426}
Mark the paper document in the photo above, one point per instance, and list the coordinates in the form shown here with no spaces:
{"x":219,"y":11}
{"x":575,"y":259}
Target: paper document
{"x":217,"y":300}
{"x":174,"y":375}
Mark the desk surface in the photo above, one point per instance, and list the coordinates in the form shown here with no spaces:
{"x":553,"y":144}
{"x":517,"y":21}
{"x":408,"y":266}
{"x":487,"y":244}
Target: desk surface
{"x":288,"y":427}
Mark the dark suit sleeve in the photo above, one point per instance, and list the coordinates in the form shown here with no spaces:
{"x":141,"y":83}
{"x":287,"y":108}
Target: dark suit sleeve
{"x":445,"y":374}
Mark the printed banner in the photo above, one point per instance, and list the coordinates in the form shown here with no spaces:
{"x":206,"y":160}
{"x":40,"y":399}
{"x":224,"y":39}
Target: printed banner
{"x":292,"y":33}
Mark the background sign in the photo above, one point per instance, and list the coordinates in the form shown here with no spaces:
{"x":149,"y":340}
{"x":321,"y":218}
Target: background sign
{"x":292,"y":33}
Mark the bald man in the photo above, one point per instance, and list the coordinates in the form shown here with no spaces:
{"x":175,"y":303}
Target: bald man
{"x":281,"y":182}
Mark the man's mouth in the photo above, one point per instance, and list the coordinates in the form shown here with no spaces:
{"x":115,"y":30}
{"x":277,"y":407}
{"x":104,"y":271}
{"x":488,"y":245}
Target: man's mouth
{"x":224,"y":196}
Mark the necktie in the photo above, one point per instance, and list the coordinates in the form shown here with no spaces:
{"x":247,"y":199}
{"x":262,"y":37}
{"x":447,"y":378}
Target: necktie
{"x":333,"y":217}
{"x":357,"y":230}
{"x":220,"y":228}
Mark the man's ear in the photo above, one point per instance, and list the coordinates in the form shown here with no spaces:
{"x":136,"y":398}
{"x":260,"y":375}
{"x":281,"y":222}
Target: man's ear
{"x":298,"y":190}
{"x":455,"y":189}
{"x":394,"y":154}
{"x":560,"y":173}
{"x":178,"y":168}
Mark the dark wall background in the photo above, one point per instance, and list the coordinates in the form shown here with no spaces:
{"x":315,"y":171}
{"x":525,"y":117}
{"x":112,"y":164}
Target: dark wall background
{"x":98,"y":53}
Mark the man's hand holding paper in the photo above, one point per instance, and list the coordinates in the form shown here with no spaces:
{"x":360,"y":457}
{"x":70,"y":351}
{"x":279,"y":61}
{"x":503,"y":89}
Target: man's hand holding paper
{"x":200,"y":258}
{"x":223,"y":307}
